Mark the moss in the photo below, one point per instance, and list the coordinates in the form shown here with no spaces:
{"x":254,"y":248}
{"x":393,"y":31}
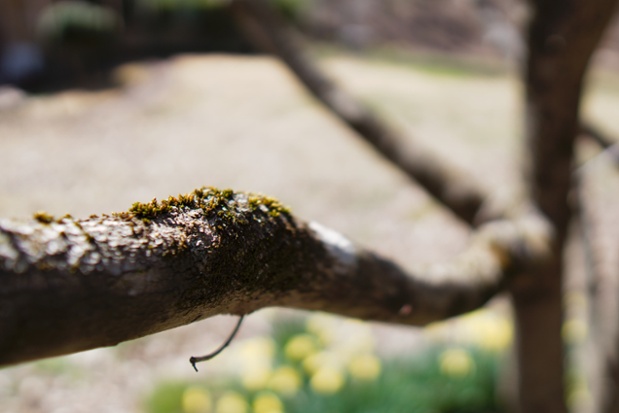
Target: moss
{"x":44,"y":266}
{"x":43,"y":217}
{"x":88,"y":236}
{"x":275,"y":207}
{"x":211,"y":200}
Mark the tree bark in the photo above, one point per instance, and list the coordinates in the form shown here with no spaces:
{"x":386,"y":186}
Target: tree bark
{"x":68,"y":285}
{"x":562,"y":35}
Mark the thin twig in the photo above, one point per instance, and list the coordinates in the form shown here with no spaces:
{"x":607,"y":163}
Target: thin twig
{"x":193,"y":360}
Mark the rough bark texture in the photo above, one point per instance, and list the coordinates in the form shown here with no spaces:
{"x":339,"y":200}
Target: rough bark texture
{"x":451,"y":186}
{"x":69,"y":285}
{"x":562,"y":35}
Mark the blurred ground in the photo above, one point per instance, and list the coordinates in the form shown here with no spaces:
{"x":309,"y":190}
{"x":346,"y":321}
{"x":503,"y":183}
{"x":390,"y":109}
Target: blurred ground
{"x":244,"y":123}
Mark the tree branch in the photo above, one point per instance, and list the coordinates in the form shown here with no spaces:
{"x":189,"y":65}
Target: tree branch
{"x":453,"y":187}
{"x":68,"y":285}
{"x":608,"y":145}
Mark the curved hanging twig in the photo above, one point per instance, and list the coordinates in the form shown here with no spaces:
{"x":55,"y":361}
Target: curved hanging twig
{"x":193,"y":360}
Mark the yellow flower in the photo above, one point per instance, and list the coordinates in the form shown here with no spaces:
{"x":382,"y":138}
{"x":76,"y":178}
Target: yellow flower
{"x":488,"y":330}
{"x":327,"y":380}
{"x":501,"y":336}
{"x":574,"y":331}
{"x":196,"y":400}
{"x":436,"y":331}
{"x":322,"y":326}
{"x":456,"y":362}
{"x":365,"y":367}
{"x":285,"y":380}
{"x":256,"y":378}
{"x":268,"y":403}
{"x":231,"y":402}
{"x":578,"y":396}
{"x":359,"y":341}
{"x":300,"y":346}
{"x":256,"y":359}
{"x":316,"y":361}
{"x":258,"y":349}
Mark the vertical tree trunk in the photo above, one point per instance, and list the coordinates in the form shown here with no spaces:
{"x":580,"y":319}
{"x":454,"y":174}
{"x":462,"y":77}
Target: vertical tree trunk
{"x":562,"y":35}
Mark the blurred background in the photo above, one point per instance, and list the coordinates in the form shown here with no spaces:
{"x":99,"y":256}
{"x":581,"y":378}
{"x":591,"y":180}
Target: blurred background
{"x":104,"y":103}
{"x":46,"y":43}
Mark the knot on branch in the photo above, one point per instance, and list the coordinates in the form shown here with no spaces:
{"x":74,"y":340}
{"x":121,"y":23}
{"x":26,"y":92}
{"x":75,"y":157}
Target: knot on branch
{"x":522,"y":241}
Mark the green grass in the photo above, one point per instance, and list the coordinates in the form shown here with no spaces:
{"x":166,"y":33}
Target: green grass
{"x":441,"y":379}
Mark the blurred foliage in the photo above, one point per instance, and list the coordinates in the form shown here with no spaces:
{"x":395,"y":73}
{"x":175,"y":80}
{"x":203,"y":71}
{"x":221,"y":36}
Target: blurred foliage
{"x":181,"y":4}
{"x":290,"y":8}
{"x":67,"y":19}
{"x":72,"y":23}
{"x":293,"y":9}
{"x":320,"y":365}
{"x":80,"y":40}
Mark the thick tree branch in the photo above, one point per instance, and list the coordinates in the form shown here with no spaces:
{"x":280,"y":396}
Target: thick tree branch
{"x":453,"y":187}
{"x":69,"y":285}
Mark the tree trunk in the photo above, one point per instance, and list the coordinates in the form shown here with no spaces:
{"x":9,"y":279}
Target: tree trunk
{"x":562,"y":35}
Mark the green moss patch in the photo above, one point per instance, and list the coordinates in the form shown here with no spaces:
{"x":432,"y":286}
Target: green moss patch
{"x":224,"y":203}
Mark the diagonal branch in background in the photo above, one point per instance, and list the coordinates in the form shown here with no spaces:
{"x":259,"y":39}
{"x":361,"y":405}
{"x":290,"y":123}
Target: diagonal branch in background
{"x":69,"y":285}
{"x":453,"y":187}
{"x":609,"y":145}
